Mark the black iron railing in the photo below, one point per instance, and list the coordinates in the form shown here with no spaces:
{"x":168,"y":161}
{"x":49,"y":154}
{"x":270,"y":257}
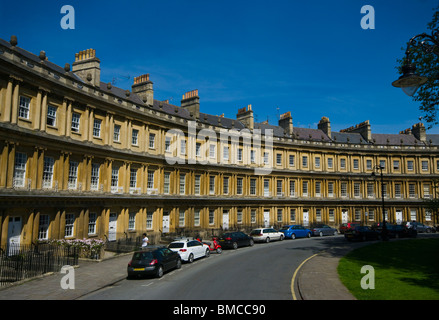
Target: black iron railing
{"x":19,"y":262}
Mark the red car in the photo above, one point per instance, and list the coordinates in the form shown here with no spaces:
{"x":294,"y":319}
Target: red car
{"x":346,"y":226}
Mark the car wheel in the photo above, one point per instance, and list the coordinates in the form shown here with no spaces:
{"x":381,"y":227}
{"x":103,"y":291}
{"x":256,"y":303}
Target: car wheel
{"x":251,"y":243}
{"x":191,"y":258}
{"x":293,"y":236}
{"x":159,"y":272}
{"x":178,"y":264}
{"x":281,"y":237}
{"x":267,"y":240}
{"x":309,"y":235}
{"x":207,"y":253}
{"x":235,"y":245}
{"x":321,"y":234}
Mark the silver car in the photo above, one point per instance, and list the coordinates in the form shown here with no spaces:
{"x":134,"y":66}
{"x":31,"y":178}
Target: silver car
{"x":323,"y":230}
{"x":266,"y":235}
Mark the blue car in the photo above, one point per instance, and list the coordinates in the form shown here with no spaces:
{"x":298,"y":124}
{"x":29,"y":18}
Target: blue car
{"x":295,"y":231}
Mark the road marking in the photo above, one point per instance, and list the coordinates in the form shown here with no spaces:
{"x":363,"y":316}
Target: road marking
{"x":147,"y":285}
{"x":293,"y":280}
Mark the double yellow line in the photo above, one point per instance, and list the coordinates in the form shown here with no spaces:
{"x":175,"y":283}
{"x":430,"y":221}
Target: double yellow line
{"x":293,"y":280}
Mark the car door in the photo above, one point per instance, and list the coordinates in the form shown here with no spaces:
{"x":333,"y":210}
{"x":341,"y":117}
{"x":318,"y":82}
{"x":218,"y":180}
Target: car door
{"x":197,"y":248}
{"x":191,"y":248}
{"x":300,"y":231}
{"x":171,"y":258}
{"x":165,"y":258}
{"x":200,"y":249}
{"x":274,"y":234}
{"x":243,"y":240}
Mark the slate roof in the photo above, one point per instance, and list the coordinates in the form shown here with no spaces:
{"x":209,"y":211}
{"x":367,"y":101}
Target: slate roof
{"x":310,"y":134}
{"x":348,"y":137}
{"x":36,"y":59}
{"x":213,"y":120}
{"x":395,"y":139}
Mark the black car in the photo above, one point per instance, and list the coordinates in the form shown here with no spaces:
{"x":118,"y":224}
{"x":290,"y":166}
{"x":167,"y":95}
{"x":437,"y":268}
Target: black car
{"x":361,"y":233}
{"x":400,"y":231}
{"x":235,"y":240}
{"x":153,"y":261}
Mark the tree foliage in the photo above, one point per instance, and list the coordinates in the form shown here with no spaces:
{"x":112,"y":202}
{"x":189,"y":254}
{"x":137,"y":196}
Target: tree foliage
{"x":427,"y":65}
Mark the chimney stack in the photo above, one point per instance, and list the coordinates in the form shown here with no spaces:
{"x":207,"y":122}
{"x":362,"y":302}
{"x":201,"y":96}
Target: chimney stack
{"x":286,"y":122}
{"x":245,"y":115}
{"x":418,"y":130}
{"x":191,"y":102}
{"x":143,"y":88}
{"x":325,"y":126}
{"x":361,"y":128}
{"x":88,"y":67}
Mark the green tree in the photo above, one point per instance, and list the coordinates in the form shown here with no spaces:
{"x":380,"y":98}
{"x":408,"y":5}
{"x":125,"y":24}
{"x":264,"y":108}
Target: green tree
{"x":426,"y":59}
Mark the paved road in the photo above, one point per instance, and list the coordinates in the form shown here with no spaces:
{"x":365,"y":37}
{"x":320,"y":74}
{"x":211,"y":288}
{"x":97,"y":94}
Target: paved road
{"x":261,"y":272}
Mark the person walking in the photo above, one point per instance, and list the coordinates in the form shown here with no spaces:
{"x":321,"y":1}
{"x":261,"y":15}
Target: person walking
{"x":145,"y":241}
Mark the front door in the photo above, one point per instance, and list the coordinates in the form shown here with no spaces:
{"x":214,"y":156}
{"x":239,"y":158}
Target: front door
{"x":267,"y":218}
{"x":14,"y":235}
{"x":344,"y":216}
{"x":225,"y":219}
{"x":165,"y":222}
{"x":306,"y":217}
{"x":398,"y":216}
{"x":112,"y":227}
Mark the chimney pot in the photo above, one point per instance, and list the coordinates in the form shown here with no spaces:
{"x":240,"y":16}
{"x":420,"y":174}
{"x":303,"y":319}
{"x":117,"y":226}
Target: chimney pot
{"x":191,"y":102}
{"x":142,"y":86}
{"x":245,"y":115}
{"x":87,"y":66}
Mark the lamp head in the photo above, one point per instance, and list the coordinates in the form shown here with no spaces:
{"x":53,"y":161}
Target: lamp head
{"x":409,"y":82}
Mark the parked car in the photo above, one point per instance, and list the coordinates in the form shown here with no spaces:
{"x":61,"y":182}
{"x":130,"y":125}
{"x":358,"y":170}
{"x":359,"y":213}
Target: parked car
{"x":189,"y":250}
{"x":266,"y":235}
{"x":235,"y":240}
{"x":346,"y":226}
{"x":361,"y":233}
{"x":400,"y":231}
{"x":323,"y":230}
{"x":295,"y":231}
{"x":420,"y":227}
{"x":153,"y":261}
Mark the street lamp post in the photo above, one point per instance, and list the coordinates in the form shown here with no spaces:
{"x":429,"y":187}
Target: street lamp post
{"x":384,"y":231}
{"x":409,"y":82}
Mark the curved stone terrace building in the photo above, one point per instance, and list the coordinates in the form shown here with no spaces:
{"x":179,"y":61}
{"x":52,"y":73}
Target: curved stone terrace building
{"x":80,"y":158}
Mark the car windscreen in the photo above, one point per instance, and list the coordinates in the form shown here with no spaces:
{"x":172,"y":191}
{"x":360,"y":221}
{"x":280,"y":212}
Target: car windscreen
{"x":142,"y":256}
{"x":176,"y":245}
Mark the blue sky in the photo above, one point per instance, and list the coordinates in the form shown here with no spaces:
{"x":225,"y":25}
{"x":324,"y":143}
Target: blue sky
{"x":308,"y":57}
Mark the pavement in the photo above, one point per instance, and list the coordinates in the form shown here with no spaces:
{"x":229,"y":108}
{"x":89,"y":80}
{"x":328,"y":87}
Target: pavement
{"x":316,"y":279}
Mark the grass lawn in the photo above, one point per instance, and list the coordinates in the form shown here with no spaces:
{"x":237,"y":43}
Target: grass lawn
{"x":404,"y":270}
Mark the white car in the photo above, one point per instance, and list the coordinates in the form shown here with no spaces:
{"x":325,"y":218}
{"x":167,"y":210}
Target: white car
{"x":189,"y":250}
{"x":266,"y":234}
